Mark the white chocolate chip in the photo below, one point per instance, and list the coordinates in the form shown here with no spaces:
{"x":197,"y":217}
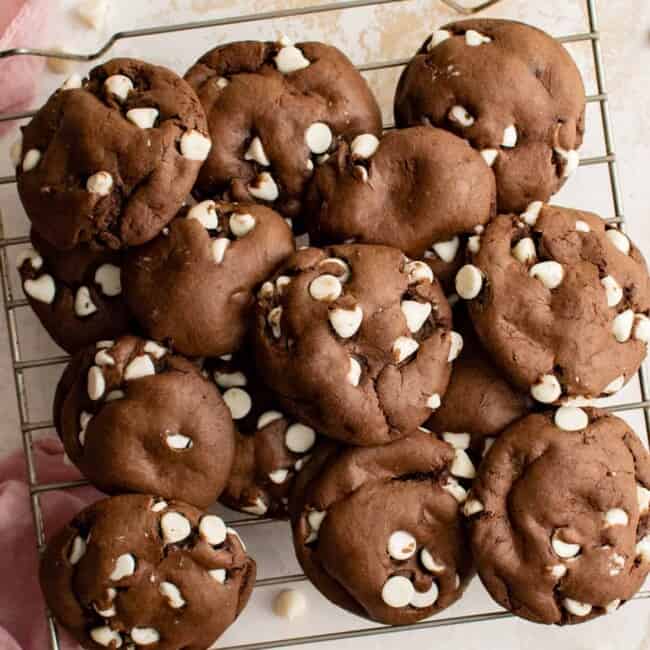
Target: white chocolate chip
{"x":524,"y":251}
{"x":315,"y":520}
{"x":124,"y":567}
{"x":612,"y":606}
{"x":619,"y":240}
{"x":212,"y":529}
{"x":289,"y":604}
{"x":345,"y":273}
{"x":83,"y":304}
{"x":474,"y":244}
{"x":109,"y":279}
{"x":641,"y":328}
{"x":141,"y":366}
{"x":531,"y":214}
{"x":274,"y":319}
{"x":195,"y":145}
{"x":264,"y":187}
{"x":257,"y":153}
{"x":218,"y":248}
{"x":279,"y":476}
{"x":241,"y":224}
{"x":550,"y":273}
{"x":96,"y":383}
{"x":206,"y":214}
{"x":221,"y":82}
{"x":563,"y":549}
{"x":416,"y":314}
{"x":346,"y":322}
{"x":613,"y":291}
{"x":318,"y":137}
{"x":301,"y":462}
{"x":429,"y":563}
{"x":93,"y":13}
{"x":119,"y":85}
{"x":178,"y":441}
{"x":31,"y":159}
{"x":84,"y":419}
{"x":154,"y":349}
{"x":78,"y":550}
{"x":159,"y":506}
{"x":105,"y":613}
{"x":643,"y":549}
{"x":418,"y":272}
{"x":364,"y":146}
{"x":267,"y":417}
{"x":114,"y":395}
{"x":173,"y":594}
{"x":299,"y":438}
{"x":238,"y":401}
{"x":103,"y":358}
{"x":433,"y":401}
{"x":422,"y":599}
{"x":401,"y":545}
{"x":469,"y":282}
{"x":557,"y":571}
{"x":100,"y":183}
{"x":472,"y":507}
{"x":326,"y":288}
{"x":454,"y":488}
{"x":446,"y":250}
{"x":397,"y":591}
{"x":144,"y":635}
{"x":547,"y":390}
{"x":145,"y":118}
{"x":106,"y":636}
{"x":582,"y":226}
{"x":456,"y":346}
{"x":404,"y":347}
{"x":643,"y":498}
{"x":42,"y":289}
{"x":259,"y":508}
{"x":577,"y":608}
{"x":462,"y":466}
{"x":615,"y":385}
{"x":457,"y":440}
{"x":490,"y":156}
{"x":461,"y":115}
{"x":571,"y":160}
{"x":230,"y":379}
{"x":474,"y":38}
{"x":290,"y":59}
{"x":616,"y":517}
{"x":439,"y":36}
{"x":622,"y":325}
{"x":218,"y":574}
{"x":571,"y":418}
{"x":175,"y":527}
{"x":16,"y":150}
{"x":509,"y":137}
{"x":354,"y":373}
{"x":104,"y":345}
{"x":487,"y":444}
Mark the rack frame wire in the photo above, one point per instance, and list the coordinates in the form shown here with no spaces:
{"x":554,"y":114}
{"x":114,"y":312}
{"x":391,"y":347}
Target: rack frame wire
{"x":12,"y":304}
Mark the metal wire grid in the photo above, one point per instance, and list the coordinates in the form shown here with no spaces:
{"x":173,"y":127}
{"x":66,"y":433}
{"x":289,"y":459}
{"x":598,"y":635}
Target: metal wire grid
{"x":11,"y":303}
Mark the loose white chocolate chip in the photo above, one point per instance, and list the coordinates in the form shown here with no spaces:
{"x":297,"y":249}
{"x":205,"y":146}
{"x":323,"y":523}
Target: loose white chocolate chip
{"x":96,"y":383}
{"x":289,"y":604}
{"x":212,"y":529}
{"x":92,"y":13}
{"x":461,"y":115}
{"x":318,"y":137}
{"x":267,"y":417}
{"x":155,"y":350}
{"x":274,"y":319}
{"x":416,"y":314}
{"x":547,"y":390}
{"x":429,"y":563}
{"x":299,"y":438}
{"x":439,"y":36}
{"x":230,"y":379}
{"x":418,"y":272}
{"x":613,"y":291}
{"x":571,"y":418}
{"x":218,"y":248}
{"x":509,"y":137}
{"x":469,"y":282}
{"x":144,"y":635}
{"x":124,"y":567}
{"x":264,"y":187}
{"x":404,"y":347}
{"x":643,"y":549}
{"x":612,"y":606}
{"x":78,"y":550}
{"x":100,"y":183}
{"x":238,"y":401}
{"x":557,"y":571}
{"x":643,"y":498}
{"x":619,"y":240}
{"x":364,"y":146}
{"x":141,"y":366}
{"x":550,"y":273}
{"x":433,"y":401}
{"x":290,"y":59}
{"x":490,"y":156}
{"x":279,"y":476}
{"x":195,"y":146}
{"x":173,"y":594}
{"x":462,"y":466}
{"x":106,"y":636}
{"x":206,"y":214}
{"x":454,"y":488}
{"x":563,"y":549}
{"x":326,"y":288}
{"x":16,"y":151}
{"x":582,"y":226}
{"x":472,"y":507}
{"x":159,"y":506}
{"x":346,"y":322}
{"x":446,"y":250}
{"x":571,"y":160}
{"x":401,"y":545}
{"x":456,"y":346}
{"x":218,"y":574}
{"x":616,"y":517}
{"x":119,"y":85}
{"x":577,"y":608}
{"x":259,"y":508}
{"x":83,"y":304}
{"x":457,"y":440}
{"x":241,"y":224}
{"x":615,"y":385}
{"x":397,"y":591}
{"x":145,"y":118}
{"x":474,"y":38}
{"x":641,"y":328}
{"x":175,"y":527}
{"x":109,"y":279}
{"x":257,"y":153}
{"x":354,"y":373}
{"x":42,"y":289}
{"x":531,"y":214}
{"x":178,"y":441}
{"x":524,"y":251}
{"x":622,"y":325}
{"x":422,"y":599}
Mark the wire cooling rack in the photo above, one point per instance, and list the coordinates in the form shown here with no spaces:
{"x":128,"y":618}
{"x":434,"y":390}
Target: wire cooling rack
{"x":13,"y":301}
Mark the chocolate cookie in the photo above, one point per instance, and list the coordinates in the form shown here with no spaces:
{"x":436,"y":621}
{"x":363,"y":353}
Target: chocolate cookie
{"x":560,"y":301}
{"x":110,"y":160}
{"x":559,"y":516}
{"x":193,"y":285}
{"x":271,"y":447}
{"x":509,"y":89}
{"x":135,"y":418}
{"x":416,"y":189}
{"x":356,"y":341}
{"x":76,"y":294}
{"x":377,"y":531}
{"x":274,"y":111}
{"x":135,"y":570}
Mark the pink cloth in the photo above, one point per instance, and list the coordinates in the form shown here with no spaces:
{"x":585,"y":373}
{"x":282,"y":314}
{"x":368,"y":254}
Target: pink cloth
{"x":22,"y":615}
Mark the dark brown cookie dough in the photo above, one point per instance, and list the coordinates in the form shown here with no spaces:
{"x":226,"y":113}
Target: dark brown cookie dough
{"x":274,"y":110}
{"x":377,"y":531}
{"x":137,"y":571}
{"x":272,"y":448}
{"x":416,"y":189}
{"x":112,"y":161}
{"x":560,"y":301}
{"x":509,"y":89}
{"x":135,"y":418}
{"x":193,"y":286}
{"x":76,"y":294}
{"x":356,"y":341}
{"x":559,"y":516}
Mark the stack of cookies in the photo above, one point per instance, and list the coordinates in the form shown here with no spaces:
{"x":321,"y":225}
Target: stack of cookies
{"x":411,"y":389}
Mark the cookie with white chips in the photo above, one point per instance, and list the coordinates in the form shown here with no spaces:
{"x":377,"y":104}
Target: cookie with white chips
{"x":134,"y":417}
{"x":276,"y":111}
{"x":560,"y":300}
{"x":138,"y":571}
{"x":111,"y":159}
{"x":420,"y":190}
{"x":77,"y":294}
{"x":272,"y":447}
{"x":513,"y":92}
{"x":356,"y":341}
{"x":193,"y":286}
{"x":378,"y":531}
{"x":559,"y":516}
